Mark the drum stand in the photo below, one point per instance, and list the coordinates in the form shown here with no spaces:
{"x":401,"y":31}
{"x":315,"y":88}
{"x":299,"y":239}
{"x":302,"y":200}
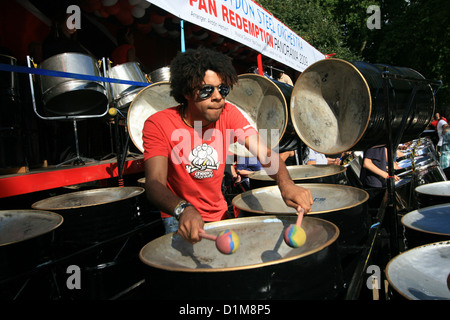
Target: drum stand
{"x":77,"y":160}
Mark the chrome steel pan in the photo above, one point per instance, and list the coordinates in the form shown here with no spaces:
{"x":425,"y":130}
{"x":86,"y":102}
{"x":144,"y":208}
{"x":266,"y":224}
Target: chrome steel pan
{"x":123,"y":94}
{"x":70,"y":96}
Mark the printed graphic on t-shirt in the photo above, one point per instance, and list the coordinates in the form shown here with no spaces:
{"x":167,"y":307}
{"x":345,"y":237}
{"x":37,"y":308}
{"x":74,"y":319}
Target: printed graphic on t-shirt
{"x":204,"y":160}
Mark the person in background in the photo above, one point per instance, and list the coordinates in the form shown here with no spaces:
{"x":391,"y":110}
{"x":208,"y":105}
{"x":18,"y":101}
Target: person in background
{"x":243,"y":168}
{"x":62,"y":39}
{"x":444,"y":159}
{"x":314,"y":157}
{"x":439,"y":128}
{"x":184,"y":155}
{"x":125,"y":51}
{"x":374,"y":172}
{"x":285,"y":78}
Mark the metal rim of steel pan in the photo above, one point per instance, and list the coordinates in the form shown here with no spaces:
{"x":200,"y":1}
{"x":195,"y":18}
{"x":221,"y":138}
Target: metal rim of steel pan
{"x":440,"y":188}
{"x":25,"y":239}
{"x":22,"y":221}
{"x":95,"y":215}
{"x":433,"y":193}
{"x":123,"y":94}
{"x":426,"y":225}
{"x":422,"y":273}
{"x":173,"y":264}
{"x":300,"y":173}
{"x":264,"y":103}
{"x":151,"y":99}
{"x":345,"y":206}
{"x":337,"y":105}
{"x":363,"y":196}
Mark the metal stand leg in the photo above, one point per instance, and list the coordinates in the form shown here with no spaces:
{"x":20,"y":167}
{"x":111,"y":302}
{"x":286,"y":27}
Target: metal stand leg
{"x":78,"y":160}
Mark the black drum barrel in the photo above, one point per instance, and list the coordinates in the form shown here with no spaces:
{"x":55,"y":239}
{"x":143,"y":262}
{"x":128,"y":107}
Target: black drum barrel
{"x":337,"y":105}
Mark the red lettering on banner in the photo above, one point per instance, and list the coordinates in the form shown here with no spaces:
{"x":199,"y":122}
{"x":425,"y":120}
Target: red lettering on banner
{"x":225,"y":14}
{"x":234,"y":19}
{"x":211,"y":8}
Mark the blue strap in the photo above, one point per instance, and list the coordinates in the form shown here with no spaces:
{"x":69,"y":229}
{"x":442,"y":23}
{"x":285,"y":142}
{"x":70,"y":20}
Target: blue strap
{"x":45,"y":72}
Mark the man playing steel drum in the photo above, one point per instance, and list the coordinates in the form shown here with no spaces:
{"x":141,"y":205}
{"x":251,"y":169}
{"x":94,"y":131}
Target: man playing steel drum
{"x":185,"y":147}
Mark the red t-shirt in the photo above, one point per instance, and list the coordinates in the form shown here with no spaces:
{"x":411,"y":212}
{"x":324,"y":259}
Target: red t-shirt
{"x":196,"y":159}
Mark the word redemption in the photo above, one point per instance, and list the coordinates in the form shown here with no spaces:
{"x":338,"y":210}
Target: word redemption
{"x":248,"y":23}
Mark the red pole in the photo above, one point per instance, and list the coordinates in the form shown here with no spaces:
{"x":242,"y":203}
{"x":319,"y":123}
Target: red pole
{"x":260,"y":65}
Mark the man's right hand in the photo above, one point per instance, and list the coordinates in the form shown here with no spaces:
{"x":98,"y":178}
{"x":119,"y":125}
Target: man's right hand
{"x":189,"y":224}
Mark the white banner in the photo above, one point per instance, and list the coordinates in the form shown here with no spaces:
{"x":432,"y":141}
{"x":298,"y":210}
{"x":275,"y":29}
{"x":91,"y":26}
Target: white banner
{"x":247,"y":23}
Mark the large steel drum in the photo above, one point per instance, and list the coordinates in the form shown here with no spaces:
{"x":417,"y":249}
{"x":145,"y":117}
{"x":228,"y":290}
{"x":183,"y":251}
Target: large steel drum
{"x":95,"y":215}
{"x":70,"y":96}
{"x":345,"y":206}
{"x":422,"y":273}
{"x":265,"y":105}
{"x":337,"y":105}
{"x":123,"y":94}
{"x":154,"y":98}
{"x":433,"y":193}
{"x":264,"y":266}
{"x":25,"y":239}
{"x":426,"y":225}
{"x":302,"y":174}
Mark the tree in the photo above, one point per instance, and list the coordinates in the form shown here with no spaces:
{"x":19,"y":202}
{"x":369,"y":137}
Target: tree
{"x":413,"y":33}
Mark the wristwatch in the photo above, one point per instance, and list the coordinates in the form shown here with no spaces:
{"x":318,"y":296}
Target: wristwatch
{"x":180,"y":208}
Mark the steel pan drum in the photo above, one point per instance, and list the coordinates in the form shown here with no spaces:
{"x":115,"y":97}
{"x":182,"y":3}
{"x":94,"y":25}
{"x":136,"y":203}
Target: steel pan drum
{"x":345,"y":206}
{"x":123,"y":94}
{"x":263,"y":102}
{"x":25,"y":239}
{"x":433,"y":193}
{"x":161,"y":74}
{"x":301,"y":174}
{"x":95,"y":215}
{"x":426,"y":225}
{"x":421,"y":273}
{"x":154,"y":98}
{"x":337,"y":105}
{"x":70,"y":96}
{"x":264,"y":266}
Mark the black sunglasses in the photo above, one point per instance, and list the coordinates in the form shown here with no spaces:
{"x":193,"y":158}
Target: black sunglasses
{"x":207,"y":90}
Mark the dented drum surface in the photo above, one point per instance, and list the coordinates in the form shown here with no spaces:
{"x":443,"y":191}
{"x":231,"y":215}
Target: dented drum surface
{"x":25,"y":239}
{"x":95,"y":215}
{"x":302,"y":174}
{"x":264,"y":103}
{"x":422,"y":273}
{"x":337,"y":105}
{"x":264,"y":266}
{"x":154,"y":98}
{"x":345,"y":206}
